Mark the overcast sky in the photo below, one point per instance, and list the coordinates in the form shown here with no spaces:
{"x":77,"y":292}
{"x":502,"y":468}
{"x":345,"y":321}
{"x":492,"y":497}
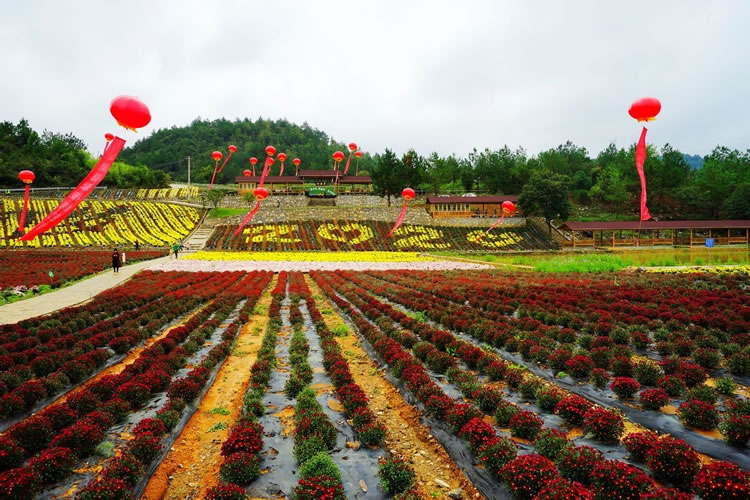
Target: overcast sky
{"x":434,"y":75}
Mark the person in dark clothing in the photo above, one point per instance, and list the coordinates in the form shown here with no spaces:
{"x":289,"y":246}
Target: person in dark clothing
{"x":137,"y":246}
{"x":176,"y":249}
{"x":116,"y":260}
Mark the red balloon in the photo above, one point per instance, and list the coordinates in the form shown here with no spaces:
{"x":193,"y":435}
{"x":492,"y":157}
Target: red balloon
{"x":216,"y":155}
{"x":352,"y":146}
{"x":246,"y":173}
{"x":253,"y":160}
{"x":26,"y":176}
{"x":260,"y":193}
{"x":270,"y":161}
{"x":232,"y":148}
{"x":408,"y":194}
{"x":338,"y":156}
{"x":130,"y":112}
{"x":645,"y":109}
{"x":109,"y":137}
{"x":270,"y":150}
{"x":358,"y":154}
{"x":508,"y":207}
{"x":296,"y":161}
{"x":281,"y":157}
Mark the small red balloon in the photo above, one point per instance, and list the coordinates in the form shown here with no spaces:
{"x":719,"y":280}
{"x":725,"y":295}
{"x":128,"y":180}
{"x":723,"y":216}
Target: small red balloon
{"x":246,"y":173}
{"x":260,"y":193}
{"x":645,"y":109}
{"x":130,"y":112}
{"x":338,"y":156}
{"x":352,"y":146}
{"x":216,"y":155}
{"x":296,"y":161}
{"x":358,"y":154}
{"x":408,"y":194}
{"x":232,"y":148}
{"x":271,"y":161}
{"x":26,"y":176}
{"x":253,"y":160}
{"x":508,"y":207}
{"x":270,"y":150}
{"x":109,"y":137}
{"x":281,"y":157}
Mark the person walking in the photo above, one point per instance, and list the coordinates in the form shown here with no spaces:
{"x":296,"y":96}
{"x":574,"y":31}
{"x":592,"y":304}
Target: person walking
{"x":176,"y":249}
{"x":137,"y":245}
{"x":115,"y":261}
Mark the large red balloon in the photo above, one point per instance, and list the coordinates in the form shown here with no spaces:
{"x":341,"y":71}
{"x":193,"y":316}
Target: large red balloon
{"x":253,"y":160}
{"x":645,"y":109}
{"x":232,"y":148}
{"x":352,"y":146}
{"x":216,"y":155}
{"x":358,"y":154}
{"x":408,"y":194}
{"x":270,"y":150}
{"x":246,"y":173}
{"x":281,"y":157}
{"x":260,"y":193}
{"x":338,"y":156}
{"x":109,"y":137}
{"x":130,"y":112}
{"x":26,"y":176}
{"x":296,"y":162}
{"x":508,"y":207}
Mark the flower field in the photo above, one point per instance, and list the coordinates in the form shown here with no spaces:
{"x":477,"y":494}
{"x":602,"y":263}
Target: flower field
{"x":382,"y":384}
{"x":373,"y":236}
{"x":100,"y":223}
{"x":29,"y":268}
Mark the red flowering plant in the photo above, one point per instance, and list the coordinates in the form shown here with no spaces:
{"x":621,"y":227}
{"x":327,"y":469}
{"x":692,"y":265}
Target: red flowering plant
{"x":81,"y":437}
{"x":653,"y":399}
{"x":11,"y":455}
{"x":577,"y":462}
{"x":496,"y":453}
{"x":460,"y":415}
{"x":736,"y":429}
{"x":638,"y":444}
{"x":547,"y":397}
{"x":672,"y":384}
{"x":698,"y":414}
{"x":526,"y":425}
{"x":106,"y":489}
{"x":144,"y":447}
{"x":673,"y":460}
{"x":439,"y":405}
{"x":616,"y":479}
{"x":722,"y":480}
{"x":52,"y":465}
{"x":563,"y":489}
{"x":527,"y":474}
{"x":551,"y":442}
{"x":666,"y":494}
{"x":226,"y":492}
{"x":572,"y":409}
{"x":18,"y":484}
{"x":579,"y":366}
{"x":124,"y":467}
{"x":478,"y":433}
{"x":599,"y":377}
{"x":605,"y":425}
{"x":692,"y":373}
{"x":625,"y":387}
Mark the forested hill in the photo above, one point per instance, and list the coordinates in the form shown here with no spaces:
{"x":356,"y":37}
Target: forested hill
{"x":166,"y":149}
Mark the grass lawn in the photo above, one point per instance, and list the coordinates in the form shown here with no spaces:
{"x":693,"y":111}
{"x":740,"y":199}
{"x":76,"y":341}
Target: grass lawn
{"x":220,"y":212}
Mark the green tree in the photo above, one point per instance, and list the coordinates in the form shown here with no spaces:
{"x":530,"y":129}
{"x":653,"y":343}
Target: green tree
{"x":214,"y":196}
{"x":546,"y":195}
{"x":388,"y":176}
{"x":737,"y":205}
{"x":249,"y":198}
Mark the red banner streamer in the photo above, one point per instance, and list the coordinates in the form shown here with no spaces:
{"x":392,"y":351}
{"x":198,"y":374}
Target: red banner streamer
{"x":247,"y":219}
{"x":493,"y":226}
{"x":266,"y":169}
{"x":211,"y":186}
{"x":22,"y":221}
{"x":225,"y":161}
{"x":640,"y":159}
{"x":349,"y":158}
{"x":282,"y":169}
{"x":400,"y":219}
{"x":80,"y":192}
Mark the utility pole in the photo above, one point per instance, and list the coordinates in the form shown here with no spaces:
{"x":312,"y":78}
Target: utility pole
{"x":188,"y":177}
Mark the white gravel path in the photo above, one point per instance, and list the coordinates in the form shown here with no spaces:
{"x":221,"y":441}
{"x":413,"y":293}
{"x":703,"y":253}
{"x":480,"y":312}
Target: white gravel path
{"x":275,"y":266}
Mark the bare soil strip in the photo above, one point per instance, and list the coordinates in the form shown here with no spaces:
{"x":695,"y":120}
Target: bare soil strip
{"x":192,"y":464}
{"x":406,"y":436}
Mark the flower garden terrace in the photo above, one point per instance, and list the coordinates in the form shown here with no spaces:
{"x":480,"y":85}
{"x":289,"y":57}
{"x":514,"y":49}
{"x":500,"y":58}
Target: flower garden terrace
{"x":371,"y":235}
{"x":237,"y":385}
{"x":100,"y":223}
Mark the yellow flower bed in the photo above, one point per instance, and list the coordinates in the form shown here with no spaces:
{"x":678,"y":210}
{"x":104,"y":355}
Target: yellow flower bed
{"x":312,"y":256}
{"x":700,"y":269}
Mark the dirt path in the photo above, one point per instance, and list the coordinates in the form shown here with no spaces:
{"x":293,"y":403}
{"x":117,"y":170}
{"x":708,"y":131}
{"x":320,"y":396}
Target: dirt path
{"x":71,"y":295}
{"x":192,"y":465}
{"x":406,"y":437}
